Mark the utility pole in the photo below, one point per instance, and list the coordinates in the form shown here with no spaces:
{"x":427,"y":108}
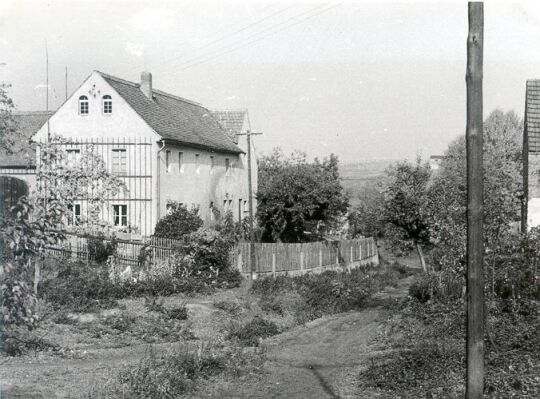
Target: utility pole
{"x":252,"y":260}
{"x":475,"y":204}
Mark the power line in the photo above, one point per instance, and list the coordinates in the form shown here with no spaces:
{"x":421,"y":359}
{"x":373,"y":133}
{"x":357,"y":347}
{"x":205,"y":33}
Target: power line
{"x":242,"y":45}
{"x":226,"y":36}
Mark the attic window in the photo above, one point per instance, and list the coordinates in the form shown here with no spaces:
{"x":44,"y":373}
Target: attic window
{"x":107,"y":104}
{"x":83,"y":105}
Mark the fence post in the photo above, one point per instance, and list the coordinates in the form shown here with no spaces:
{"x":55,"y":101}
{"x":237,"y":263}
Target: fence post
{"x":274,"y":264}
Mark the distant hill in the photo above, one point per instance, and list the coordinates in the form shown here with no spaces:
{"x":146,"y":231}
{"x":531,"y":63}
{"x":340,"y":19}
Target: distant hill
{"x":358,"y":174}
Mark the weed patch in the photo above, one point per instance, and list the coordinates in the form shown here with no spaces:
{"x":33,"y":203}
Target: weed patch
{"x":251,"y":332}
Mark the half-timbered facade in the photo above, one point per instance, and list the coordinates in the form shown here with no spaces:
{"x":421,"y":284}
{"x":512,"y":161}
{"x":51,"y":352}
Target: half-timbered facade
{"x":164,"y":147}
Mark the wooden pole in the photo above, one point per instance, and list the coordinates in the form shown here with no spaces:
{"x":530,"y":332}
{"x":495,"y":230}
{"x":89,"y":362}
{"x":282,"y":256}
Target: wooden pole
{"x":475,"y":193}
{"x":252,"y":259}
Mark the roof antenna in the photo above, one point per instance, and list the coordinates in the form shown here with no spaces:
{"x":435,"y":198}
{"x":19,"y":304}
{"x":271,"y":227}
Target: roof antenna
{"x":47,"y":89}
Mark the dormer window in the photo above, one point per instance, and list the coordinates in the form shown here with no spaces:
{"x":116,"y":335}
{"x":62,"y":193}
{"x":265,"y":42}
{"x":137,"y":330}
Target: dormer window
{"x":83,"y":105}
{"x":107,"y":104}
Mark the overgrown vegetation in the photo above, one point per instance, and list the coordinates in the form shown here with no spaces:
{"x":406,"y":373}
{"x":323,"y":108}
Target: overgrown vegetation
{"x":173,"y":375}
{"x":313,"y":295}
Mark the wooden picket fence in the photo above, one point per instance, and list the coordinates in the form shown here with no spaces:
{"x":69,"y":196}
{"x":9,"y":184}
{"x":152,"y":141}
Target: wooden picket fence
{"x":279,"y":258}
{"x":127,"y":251}
{"x":275,"y":258}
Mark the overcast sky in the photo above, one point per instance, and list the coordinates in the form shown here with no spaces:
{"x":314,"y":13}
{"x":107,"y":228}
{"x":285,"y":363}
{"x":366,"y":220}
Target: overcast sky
{"x":359,"y":79}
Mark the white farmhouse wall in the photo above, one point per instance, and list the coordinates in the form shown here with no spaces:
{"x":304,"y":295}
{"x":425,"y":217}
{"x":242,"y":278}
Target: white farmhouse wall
{"x":122,"y":129}
{"x":200,"y":185}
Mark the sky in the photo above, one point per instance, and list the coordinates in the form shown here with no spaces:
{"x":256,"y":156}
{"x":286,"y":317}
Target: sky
{"x":362,"y":80}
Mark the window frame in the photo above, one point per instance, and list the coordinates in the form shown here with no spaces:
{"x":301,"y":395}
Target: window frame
{"x":119,"y":172}
{"x":106,"y":100}
{"x":120,"y":215}
{"x":84,"y":102}
{"x":74,"y":218}
{"x":227,"y":166}
{"x":167,"y":161}
{"x":180,"y":161}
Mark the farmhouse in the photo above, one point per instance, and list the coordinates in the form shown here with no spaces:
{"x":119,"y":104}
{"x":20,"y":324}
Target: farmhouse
{"x":164,"y":147}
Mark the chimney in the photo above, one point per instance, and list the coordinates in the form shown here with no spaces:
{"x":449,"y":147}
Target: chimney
{"x":146,"y":84}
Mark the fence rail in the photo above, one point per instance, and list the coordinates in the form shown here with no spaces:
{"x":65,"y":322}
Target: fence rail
{"x":275,"y":258}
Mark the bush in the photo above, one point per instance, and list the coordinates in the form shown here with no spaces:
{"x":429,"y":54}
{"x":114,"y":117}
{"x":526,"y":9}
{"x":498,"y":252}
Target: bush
{"x":174,"y":375}
{"x":100,"y":249}
{"x":314,"y":295}
{"x":250,"y":333}
{"x":442,"y":286}
{"x":179,"y":222}
{"x":80,"y":288}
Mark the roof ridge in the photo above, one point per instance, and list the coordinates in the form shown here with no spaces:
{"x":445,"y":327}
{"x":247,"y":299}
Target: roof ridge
{"x":161,"y":92}
{"x":164,"y":93}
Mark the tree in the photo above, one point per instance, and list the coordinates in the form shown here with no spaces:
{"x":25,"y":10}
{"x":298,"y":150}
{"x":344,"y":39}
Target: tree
{"x":179,"y":222}
{"x":503,"y":190}
{"x":404,"y":201}
{"x":299,"y":201}
{"x":367,"y":218}
{"x":62,"y":181}
{"x":8,"y":131}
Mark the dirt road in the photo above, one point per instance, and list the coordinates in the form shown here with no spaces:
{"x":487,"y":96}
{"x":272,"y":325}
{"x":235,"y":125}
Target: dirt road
{"x":318,"y":360}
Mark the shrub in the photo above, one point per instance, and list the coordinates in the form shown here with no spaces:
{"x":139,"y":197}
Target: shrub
{"x":80,"y":287}
{"x":250,"y":333}
{"x":100,"y":249}
{"x":179,"y":222}
{"x":443,"y":286}
{"x":176,"y":374}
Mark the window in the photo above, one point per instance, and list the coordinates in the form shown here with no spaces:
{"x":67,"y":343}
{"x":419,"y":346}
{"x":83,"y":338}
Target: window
{"x":167,"y":161}
{"x":83,"y":105}
{"x":120,"y":215}
{"x":197,"y":164}
{"x":212,"y":216}
{"x":119,"y":161}
{"x":227,"y":167}
{"x":239,"y":210}
{"x":212,"y":164}
{"x":181,"y":162}
{"x":73,"y":155}
{"x":74,"y":216}
{"x":107,"y":104}
{"x":225,"y":202}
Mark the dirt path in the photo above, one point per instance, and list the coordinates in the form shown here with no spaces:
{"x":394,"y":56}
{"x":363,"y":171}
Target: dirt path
{"x":318,"y":360}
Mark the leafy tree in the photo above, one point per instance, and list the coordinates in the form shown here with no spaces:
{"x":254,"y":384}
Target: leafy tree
{"x":179,"y":222}
{"x":503,"y":190}
{"x":62,"y":181}
{"x":299,"y":201}
{"x":404,"y":201}
{"x":367,"y":218}
{"x":8,"y":131}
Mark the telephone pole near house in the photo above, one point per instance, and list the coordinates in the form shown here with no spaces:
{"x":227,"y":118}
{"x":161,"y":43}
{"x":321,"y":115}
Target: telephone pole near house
{"x":252,"y":261}
{"x":475,"y":204}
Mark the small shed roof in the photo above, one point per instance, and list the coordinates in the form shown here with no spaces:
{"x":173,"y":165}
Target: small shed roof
{"x":24,"y":151}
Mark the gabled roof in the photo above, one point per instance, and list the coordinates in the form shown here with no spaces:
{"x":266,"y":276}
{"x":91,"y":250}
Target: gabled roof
{"x":532,"y":115}
{"x":24,"y":151}
{"x":232,"y":121}
{"x":175,"y":118}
